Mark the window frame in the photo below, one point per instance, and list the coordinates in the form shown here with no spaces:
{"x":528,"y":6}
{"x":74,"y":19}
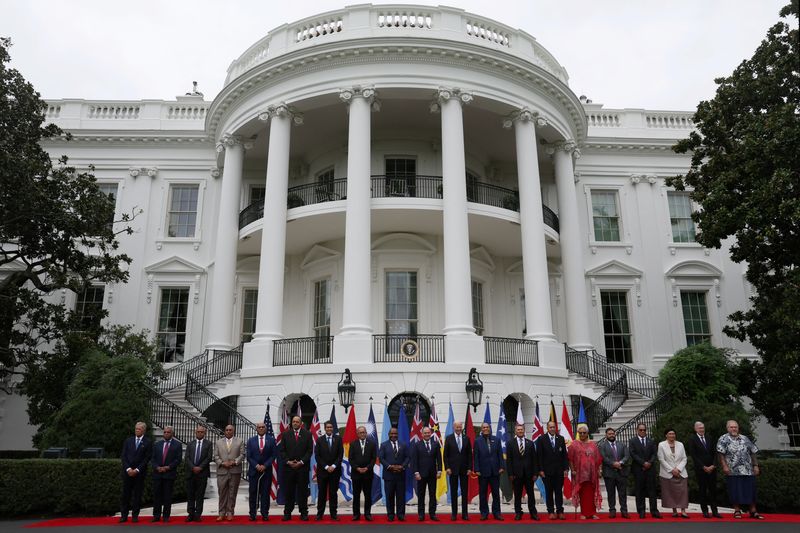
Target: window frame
{"x":188,"y":319}
{"x":80,"y":316}
{"x":166,"y":202}
{"x":243,"y":313}
{"x":630,"y":336}
{"x":623,"y":217}
{"x":671,"y":193}
{"x":686,"y":334}
{"x":480,"y":329}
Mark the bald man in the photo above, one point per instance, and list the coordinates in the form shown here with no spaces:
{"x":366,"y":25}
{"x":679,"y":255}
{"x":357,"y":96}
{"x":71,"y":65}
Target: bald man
{"x":295,"y":451}
{"x":229,"y":455}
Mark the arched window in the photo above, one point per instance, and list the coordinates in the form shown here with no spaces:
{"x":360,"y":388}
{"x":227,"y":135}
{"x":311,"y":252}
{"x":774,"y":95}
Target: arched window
{"x":307,"y":408}
{"x":409,"y":400}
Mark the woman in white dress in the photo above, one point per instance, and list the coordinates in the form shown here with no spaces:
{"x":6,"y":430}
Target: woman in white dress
{"x":673,"y":475}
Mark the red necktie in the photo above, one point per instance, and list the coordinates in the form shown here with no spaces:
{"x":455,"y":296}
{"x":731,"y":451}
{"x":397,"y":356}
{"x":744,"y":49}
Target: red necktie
{"x":164,"y":456}
{"x":261,"y":444}
{"x":296,"y":436}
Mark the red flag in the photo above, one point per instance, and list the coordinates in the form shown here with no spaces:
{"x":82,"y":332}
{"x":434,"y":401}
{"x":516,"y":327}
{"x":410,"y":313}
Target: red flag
{"x":350,"y":429}
{"x":566,"y":431}
{"x":284,"y":425}
{"x":473,"y":479}
{"x":538,"y":429}
{"x":416,"y":427}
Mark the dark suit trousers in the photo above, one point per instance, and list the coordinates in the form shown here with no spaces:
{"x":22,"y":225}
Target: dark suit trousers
{"x":295,"y":490}
{"x":362,"y":484}
{"x":195,"y":492}
{"x":429,"y":484}
{"x":260,"y":484}
{"x":162,"y":497}
{"x":708,"y":490}
{"x":455,"y":480}
{"x":328,"y":486}
{"x":524,"y":482}
{"x":484,"y":483}
{"x":554,"y":492}
{"x":395,"y":496}
{"x":614,"y":486}
{"x":645,"y":483}
{"x":132,"y":486}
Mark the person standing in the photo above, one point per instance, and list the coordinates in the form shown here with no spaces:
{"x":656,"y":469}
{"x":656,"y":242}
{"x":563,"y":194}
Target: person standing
{"x":551,"y":450}
{"x":329,"y":453}
{"x":523,"y":469}
{"x":489,"y":464}
{"x":197,"y":465}
{"x":701,"y":449}
{"x":458,"y":466}
{"x":229,"y":455}
{"x":616,"y":467}
{"x":261,"y":452}
{"x":166,"y":457}
{"x":737,"y":454}
{"x":426,"y":462}
{"x":136,"y":453}
{"x":295,"y":451}
{"x":643,"y":452}
{"x":585,"y":461}
{"x":395,"y":459}
{"x":672,"y":474}
{"x":362,"y":455}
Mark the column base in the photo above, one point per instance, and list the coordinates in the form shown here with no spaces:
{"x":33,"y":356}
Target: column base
{"x":220,"y":346}
{"x":257,"y":354}
{"x":552,"y":355}
{"x":352,"y":349}
{"x":580,"y":346}
{"x":466,"y":329}
{"x":466,"y":349}
{"x":357,"y":329}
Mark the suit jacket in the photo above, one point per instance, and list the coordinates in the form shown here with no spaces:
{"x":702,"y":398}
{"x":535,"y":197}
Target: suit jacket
{"x":235,"y":454}
{"x":423,"y":462}
{"x":329,"y":455}
{"x":642,"y":454}
{"x":666,"y":461}
{"x":256,"y":456}
{"x":173,"y":458}
{"x":552,"y":461}
{"x":488,"y":459}
{"x":701,"y":455}
{"x":387,"y":457}
{"x":134,"y":458}
{"x":521,"y":465}
{"x":361,"y":460}
{"x":205,"y":458}
{"x":457,"y":461}
{"x":300,"y":449}
{"x":623,"y":456}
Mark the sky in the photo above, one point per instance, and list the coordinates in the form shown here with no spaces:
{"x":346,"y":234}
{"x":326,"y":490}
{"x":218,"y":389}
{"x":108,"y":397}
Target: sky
{"x":646,"y":54}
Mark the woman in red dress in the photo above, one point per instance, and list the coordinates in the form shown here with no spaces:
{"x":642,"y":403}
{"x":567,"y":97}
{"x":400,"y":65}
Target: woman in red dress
{"x":585,"y":461}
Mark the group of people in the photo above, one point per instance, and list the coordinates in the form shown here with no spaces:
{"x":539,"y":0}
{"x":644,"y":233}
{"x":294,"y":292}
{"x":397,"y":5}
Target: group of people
{"x":549,"y":458}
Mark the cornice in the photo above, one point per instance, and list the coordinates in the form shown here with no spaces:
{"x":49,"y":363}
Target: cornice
{"x":128,"y":138}
{"x":629,"y":145}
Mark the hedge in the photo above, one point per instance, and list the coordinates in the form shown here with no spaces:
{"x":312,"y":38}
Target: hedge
{"x":67,"y":487}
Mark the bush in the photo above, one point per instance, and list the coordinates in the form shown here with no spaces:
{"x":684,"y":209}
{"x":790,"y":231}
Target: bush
{"x":19,"y":454}
{"x":777,"y":490}
{"x":68,"y":486}
{"x":700,"y":374}
{"x":682,"y":417}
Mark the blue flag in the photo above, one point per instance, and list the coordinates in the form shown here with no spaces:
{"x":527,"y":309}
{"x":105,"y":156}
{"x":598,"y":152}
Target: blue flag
{"x":582,"y":414}
{"x":387,"y":425}
{"x":372,"y":433}
{"x":404,"y":436}
{"x":333,"y":420}
{"x":487,"y":417}
{"x":449,"y":431}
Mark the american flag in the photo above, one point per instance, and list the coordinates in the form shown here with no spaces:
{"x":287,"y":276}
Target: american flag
{"x":275,"y":491}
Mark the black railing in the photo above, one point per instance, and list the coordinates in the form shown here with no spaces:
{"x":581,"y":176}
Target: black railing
{"x":412,"y":186}
{"x":164,"y":413}
{"x":176,"y":376}
{"x":505,"y":351}
{"x":550,"y":218}
{"x":302,"y":351}
{"x":599,"y":411}
{"x":487,"y":194}
{"x":408,"y":348}
{"x":596,"y":367}
{"x":202,"y":399}
{"x":220,"y":364}
{"x":316,"y":193}
{"x":251,"y":213}
{"x":648,"y":416}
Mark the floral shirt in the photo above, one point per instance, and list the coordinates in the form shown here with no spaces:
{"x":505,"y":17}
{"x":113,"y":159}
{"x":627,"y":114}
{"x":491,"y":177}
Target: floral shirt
{"x":737,"y":452}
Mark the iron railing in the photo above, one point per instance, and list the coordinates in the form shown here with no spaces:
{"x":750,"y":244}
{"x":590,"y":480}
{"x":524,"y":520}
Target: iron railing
{"x":506,"y":351}
{"x":251,"y":213}
{"x":411,"y":186}
{"x":599,"y":411}
{"x":202,"y":399}
{"x":550,"y":218}
{"x":303,"y":351}
{"x":164,"y":413}
{"x":316,"y":193}
{"x":220,"y":364}
{"x":176,"y":376}
{"x":648,"y":416}
{"x":408,"y":348}
{"x":596,"y":367}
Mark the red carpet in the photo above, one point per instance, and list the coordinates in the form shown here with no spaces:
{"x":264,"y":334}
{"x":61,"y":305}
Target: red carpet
{"x":411,"y":520}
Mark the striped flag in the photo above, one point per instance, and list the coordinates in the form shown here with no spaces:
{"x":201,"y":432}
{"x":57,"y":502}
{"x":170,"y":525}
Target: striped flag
{"x":273,"y":489}
{"x":346,"y":481}
{"x":316,"y":431}
{"x":372,"y":433}
{"x":503,"y":436}
{"x":277,"y":470}
{"x":387,"y":425}
{"x":441,"y":483}
{"x":566,"y":431}
{"x":538,"y":431}
{"x":449,"y":431}
{"x":416,"y":427}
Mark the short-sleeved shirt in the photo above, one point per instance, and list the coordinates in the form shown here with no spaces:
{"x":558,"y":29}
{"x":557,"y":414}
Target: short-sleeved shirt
{"x":737,"y":451}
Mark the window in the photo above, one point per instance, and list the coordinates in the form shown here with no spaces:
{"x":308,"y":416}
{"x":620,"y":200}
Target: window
{"x":401,"y":177}
{"x":322,"y":318}
{"x":89,"y":307}
{"x":182,"y":214}
{"x":616,"y":326}
{"x":250,"y":302}
{"x":477,"y":306}
{"x":401,"y":304}
{"x":522,"y":312}
{"x":325,"y":187}
{"x":473,"y":184}
{"x":110,"y":190}
{"x":793,"y":430}
{"x":695,"y":317}
{"x":171,"y":334}
{"x":257,"y":194}
{"x":605,"y":216}
{"x":680,"y":217}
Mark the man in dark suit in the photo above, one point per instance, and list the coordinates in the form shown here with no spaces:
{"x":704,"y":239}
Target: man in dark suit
{"x":295,"y":451}
{"x":489,"y":464}
{"x":458,"y":466}
{"x":196,"y":463}
{"x":166,"y":457}
{"x":616,"y":466}
{"x":261,"y":451}
{"x":136,"y":453}
{"x":643,"y":452}
{"x":395,"y":460}
{"x":523,"y":469}
{"x":329,"y":453}
{"x":426,"y":463}
{"x":702,"y":450}
{"x":362,"y":455}
{"x":551,"y":451}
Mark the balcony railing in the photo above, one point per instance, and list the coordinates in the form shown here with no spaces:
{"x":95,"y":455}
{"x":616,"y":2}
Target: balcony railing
{"x":411,"y":186}
{"x":408,"y":348}
{"x":505,"y":351}
{"x":303,"y":351}
{"x":316,"y":193}
{"x":596,"y":367}
{"x":251,"y":213}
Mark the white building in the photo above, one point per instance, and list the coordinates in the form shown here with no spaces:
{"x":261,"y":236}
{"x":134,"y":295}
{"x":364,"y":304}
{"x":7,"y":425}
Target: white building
{"x":383,"y":173}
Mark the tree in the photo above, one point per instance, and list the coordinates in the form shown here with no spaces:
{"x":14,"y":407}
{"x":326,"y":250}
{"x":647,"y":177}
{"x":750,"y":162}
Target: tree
{"x":745,"y":175}
{"x":700,"y":374}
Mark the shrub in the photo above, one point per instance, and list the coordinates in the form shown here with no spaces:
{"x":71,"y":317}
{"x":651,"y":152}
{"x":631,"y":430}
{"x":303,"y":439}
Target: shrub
{"x":700,"y":374}
{"x":683,"y":416}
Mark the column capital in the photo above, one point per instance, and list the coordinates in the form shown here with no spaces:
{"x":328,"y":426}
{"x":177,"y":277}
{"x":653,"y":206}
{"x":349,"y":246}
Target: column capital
{"x":524,"y":115}
{"x":281,"y":110}
{"x":444,"y":94}
{"x":369,"y":94}
{"x":569,"y":146}
{"x":229,"y":141}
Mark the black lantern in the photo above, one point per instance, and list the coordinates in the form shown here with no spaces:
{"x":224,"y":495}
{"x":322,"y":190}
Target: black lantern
{"x":474,"y":388}
{"x":347,"y":389}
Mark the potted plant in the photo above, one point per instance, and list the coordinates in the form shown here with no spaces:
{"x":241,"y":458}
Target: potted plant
{"x":294,"y":200}
{"x":511,"y":202}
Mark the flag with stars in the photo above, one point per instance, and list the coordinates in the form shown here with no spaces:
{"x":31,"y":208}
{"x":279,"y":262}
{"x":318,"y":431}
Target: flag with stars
{"x":503,"y":436}
{"x":441,"y":483}
{"x":372,"y":433}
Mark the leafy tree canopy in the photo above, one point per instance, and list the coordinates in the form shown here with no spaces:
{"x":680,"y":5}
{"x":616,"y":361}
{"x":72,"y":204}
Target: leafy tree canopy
{"x":745,"y":175}
{"x":700,"y":374}
{"x":714,"y":416}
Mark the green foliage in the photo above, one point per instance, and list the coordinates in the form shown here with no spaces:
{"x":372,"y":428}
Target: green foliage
{"x":700,"y":374}
{"x":778,"y":490}
{"x":745,"y":174}
{"x":67,"y":486}
{"x":682,"y":417}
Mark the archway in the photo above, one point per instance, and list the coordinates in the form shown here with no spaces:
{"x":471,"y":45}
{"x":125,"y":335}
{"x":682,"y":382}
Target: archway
{"x":306,"y":406}
{"x":409,"y":400}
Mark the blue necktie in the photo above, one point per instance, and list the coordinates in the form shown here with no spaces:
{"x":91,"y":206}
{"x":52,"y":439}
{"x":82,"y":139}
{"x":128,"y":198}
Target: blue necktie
{"x":198,"y":447}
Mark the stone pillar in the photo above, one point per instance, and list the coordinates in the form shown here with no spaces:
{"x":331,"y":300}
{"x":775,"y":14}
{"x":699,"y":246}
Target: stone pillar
{"x":571,"y":251}
{"x":221,"y":312}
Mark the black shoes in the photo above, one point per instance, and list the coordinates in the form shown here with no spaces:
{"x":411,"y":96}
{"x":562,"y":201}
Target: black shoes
{"x":535,"y":517}
{"x":123,"y":519}
{"x":368,"y":518}
{"x":499,"y":517}
{"x":656,"y":515}
{"x":625,"y":515}
{"x":286,"y":518}
{"x":304,"y":517}
{"x":356,"y":517}
{"x":518,"y":516}
{"x":155,"y":519}
{"x":484,"y":518}
{"x":434,"y":518}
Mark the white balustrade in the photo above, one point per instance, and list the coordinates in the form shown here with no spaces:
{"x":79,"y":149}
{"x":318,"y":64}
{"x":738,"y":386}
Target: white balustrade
{"x":669,"y":120}
{"x":484,"y":31}
{"x":114,"y":112}
{"x":319,"y":28}
{"x":404,"y":19}
{"x":604,"y":120}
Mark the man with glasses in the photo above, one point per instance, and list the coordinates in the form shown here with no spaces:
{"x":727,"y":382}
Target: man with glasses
{"x":643,"y":452}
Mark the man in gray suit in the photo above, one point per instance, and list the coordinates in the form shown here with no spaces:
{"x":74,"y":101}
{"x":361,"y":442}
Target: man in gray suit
{"x":229,"y":455}
{"x":616,"y":465}
{"x":196,"y":464}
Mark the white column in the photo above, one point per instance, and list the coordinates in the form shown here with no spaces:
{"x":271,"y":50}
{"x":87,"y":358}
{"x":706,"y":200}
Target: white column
{"x":571,"y":254}
{"x":534,"y":255}
{"x":220,"y":331}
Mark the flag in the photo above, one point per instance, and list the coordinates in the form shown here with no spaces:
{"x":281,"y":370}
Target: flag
{"x":553,"y":417}
{"x":538,"y":431}
{"x":566,"y":431}
{"x":273,"y":489}
{"x":277,"y":470}
{"x":346,"y":480}
{"x":503,"y":436}
{"x":416,"y":427}
{"x":473,"y":479}
{"x":387,"y":425}
{"x":333,"y":420}
{"x":316,"y":431}
{"x":449,"y":431}
{"x":372,"y":433}
{"x":404,"y":437}
{"x":487,"y":417}
{"x":441,"y":483}
{"x":582,"y":414}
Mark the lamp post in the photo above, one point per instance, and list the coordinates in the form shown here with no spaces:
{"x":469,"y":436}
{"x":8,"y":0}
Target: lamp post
{"x":347,"y":389}
{"x":474,"y":388}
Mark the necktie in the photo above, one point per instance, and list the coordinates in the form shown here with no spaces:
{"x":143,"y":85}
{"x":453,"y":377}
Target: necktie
{"x":197,"y":447}
{"x":260,"y":443}
{"x":642,"y":441}
{"x":394,"y":444}
{"x":138,"y":442}
{"x":362,"y":447}
{"x":330,"y":443}
{"x":553,"y":442}
{"x":521,"y":446}
{"x":703,"y":439}
{"x":164,"y":450}
{"x":488,"y":444}
{"x":428,"y":445}
{"x":228,"y":444}
{"x":296,"y":436}
{"x":614,"y":447}
{"x":458,"y":440}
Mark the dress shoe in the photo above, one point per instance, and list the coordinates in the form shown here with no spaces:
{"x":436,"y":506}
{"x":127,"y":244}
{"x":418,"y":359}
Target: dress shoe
{"x":220,"y":518}
{"x":368,"y":518}
{"x":421,"y":518}
{"x":318,"y":518}
{"x":715,"y":514}
{"x":518,"y":516}
{"x":198,"y":519}
{"x":286,"y":518}
{"x":465,"y":516}
{"x":625,"y":515}
{"x":499,"y":517}
{"x":551,"y":516}
{"x":453,"y":517}
{"x":402,"y":518}
{"x":656,"y":515}
{"x":335,"y":518}
{"x":156,"y":519}
{"x":265,"y":518}
{"x":135,"y":519}
{"x":535,"y":516}
{"x":612,"y":514}
{"x":641,"y":515}
{"x":165,"y":519}
{"x":229,"y":518}
{"x":390,"y":519}
{"x":434,"y":518}
{"x":304,"y":517}
{"x":356,"y":517}
{"x":484,"y":518}
{"x":252,"y":518}
{"x":123,"y":519}
{"x":191,"y":519}
{"x":562,"y":516}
